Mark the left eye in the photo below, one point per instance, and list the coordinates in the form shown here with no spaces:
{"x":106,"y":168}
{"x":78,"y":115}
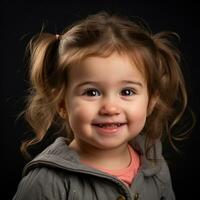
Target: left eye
{"x":127,"y":92}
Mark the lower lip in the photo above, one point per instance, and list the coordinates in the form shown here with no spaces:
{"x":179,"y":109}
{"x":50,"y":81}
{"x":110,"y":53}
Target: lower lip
{"x":109,"y":130}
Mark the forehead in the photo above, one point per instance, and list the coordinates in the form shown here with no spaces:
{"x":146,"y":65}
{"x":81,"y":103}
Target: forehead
{"x":113,"y":67}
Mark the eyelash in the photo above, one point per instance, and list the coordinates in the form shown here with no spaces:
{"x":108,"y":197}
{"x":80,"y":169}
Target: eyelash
{"x":89,"y":91}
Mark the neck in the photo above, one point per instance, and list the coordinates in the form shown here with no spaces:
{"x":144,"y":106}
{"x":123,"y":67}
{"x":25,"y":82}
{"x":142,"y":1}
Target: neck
{"x":113,"y":159}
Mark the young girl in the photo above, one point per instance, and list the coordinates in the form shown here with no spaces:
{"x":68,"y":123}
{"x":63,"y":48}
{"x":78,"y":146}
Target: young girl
{"x":114,"y":89}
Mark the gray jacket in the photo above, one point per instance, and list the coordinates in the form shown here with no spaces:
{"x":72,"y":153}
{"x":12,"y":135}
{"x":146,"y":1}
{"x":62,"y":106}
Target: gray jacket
{"x":57,"y":174}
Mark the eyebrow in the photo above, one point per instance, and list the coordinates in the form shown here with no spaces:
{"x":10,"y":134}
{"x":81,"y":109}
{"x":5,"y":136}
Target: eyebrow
{"x":123,"y":82}
{"x":132,"y":82}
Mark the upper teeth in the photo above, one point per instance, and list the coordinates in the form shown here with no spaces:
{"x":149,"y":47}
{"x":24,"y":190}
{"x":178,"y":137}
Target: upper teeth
{"x":109,"y":125}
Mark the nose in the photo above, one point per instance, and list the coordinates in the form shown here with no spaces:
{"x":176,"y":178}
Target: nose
{"x":109,"y":107}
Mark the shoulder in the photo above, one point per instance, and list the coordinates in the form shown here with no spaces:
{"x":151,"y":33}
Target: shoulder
{"x":158,"y":171}
{"x":163,"y":180}
{"x":164,"y":172}
{"x":42,"y":183}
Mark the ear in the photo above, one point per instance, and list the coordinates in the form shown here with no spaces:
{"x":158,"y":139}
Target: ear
{"x":152,"y":103}
{"x":62,"y":110}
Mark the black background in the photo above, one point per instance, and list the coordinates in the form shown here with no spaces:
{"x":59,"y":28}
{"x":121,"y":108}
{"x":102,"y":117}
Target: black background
{"x":20,"y":20}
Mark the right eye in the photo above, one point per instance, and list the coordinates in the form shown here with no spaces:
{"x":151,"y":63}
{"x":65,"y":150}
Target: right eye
{"x":92,"y":92}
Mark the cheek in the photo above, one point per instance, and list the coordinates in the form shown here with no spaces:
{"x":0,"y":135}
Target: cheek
{"x":80,"y":114}
{"x":137,"y":122}
{"x":137,"y":115}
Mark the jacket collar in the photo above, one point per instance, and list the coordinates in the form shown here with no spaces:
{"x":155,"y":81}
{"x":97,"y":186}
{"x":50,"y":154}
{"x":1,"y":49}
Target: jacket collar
{"x":152,"y":165}
{"x":58,"y":154}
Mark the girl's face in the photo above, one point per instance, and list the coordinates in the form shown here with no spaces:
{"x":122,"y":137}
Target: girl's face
{"x":106,"y":102}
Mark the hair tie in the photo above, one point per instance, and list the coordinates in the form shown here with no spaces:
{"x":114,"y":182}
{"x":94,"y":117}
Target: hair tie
{"x":57,"y":36}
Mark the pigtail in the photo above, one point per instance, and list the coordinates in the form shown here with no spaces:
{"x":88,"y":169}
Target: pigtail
{"x":172,"y":91}
{"x":44,"y":57}
{"x":39,"y":113}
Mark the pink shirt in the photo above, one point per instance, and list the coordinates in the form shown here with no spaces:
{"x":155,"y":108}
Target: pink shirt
{"x":126,"y":174}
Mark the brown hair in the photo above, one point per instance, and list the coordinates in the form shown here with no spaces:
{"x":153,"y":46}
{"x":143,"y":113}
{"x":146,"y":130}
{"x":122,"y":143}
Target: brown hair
{"x":100,"y":35}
